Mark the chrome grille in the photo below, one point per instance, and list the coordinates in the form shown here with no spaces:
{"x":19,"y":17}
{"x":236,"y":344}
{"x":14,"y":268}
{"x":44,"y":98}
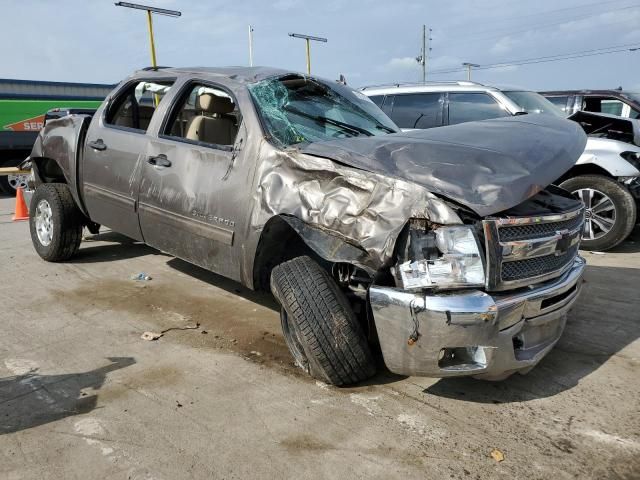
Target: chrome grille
{"x":526,"y":250}
{"x":533,"y":267}
{"x":537,"y":230}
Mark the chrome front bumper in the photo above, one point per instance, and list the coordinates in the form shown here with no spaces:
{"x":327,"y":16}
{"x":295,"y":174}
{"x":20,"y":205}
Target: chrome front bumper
{"x":472,"y":332}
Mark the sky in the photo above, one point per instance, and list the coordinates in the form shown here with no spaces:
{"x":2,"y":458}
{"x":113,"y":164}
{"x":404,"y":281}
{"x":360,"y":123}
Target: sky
{"x":369,"y":42}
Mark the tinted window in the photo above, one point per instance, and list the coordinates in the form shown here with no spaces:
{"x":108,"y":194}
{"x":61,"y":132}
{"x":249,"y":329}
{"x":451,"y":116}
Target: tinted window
{"x":608,"y":105}
{"x":559,"y":102}
{"x":469,"y":107}
{"x":134,"y":107}
{"x":377,"y":99}
{"x":420,"y":110}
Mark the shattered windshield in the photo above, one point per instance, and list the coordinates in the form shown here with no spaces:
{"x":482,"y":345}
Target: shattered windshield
{"x":532,"y":102}
{"x":297,"y":109}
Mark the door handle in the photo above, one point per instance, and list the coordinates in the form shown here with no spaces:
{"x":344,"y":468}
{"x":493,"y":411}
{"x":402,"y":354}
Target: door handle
{"x":159,"y":161}
{"x":98,"y":145}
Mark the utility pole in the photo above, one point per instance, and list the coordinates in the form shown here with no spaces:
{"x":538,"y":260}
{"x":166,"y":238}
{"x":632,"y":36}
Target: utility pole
{"x":469,"y":67}
{"x":308,"y":39}
{"x":250,"y":45}
{"x":150,"y":10}
{"x":422,"y":58}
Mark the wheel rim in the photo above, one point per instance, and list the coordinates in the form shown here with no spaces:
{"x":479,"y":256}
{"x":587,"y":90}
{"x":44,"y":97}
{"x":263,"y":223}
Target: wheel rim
{"x":293,"y":342}
{"x":44,"y":222}
{"x":600,"y":213}
{"x":17,"y":181}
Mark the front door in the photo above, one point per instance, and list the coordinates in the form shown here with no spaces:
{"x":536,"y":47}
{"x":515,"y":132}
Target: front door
{"x":113,"y":149}
{"x":186,"y":205}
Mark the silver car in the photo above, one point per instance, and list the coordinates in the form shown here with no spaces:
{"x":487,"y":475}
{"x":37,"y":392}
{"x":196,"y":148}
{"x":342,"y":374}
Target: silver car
{"x":606,"y":177}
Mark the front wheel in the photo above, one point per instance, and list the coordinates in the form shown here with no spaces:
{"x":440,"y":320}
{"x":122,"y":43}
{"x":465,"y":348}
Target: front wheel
{"x":55,"y":222}
{"x":318,"y":324}
{"x":610,"y":210}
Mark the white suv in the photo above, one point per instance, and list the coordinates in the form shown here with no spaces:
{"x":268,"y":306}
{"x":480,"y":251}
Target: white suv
{"x":606,"y":177}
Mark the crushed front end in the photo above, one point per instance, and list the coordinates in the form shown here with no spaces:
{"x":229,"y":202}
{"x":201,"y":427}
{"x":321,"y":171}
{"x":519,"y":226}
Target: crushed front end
{"x":487,"y":298}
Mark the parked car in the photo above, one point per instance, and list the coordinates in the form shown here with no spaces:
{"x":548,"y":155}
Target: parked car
{"x":443,"y":244}
{"x":613,"y":102}
{"x":606,"y":177}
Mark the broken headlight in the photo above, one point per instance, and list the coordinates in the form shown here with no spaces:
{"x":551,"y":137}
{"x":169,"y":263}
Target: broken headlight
{"x":448,"y":257}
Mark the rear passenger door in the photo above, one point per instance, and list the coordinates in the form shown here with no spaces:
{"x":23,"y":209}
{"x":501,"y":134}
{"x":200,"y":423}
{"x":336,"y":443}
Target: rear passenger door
{"x":114,"y":143}
{"x":412,"y":111}
{"x":191,"y":178}
{"x":465,"y":107}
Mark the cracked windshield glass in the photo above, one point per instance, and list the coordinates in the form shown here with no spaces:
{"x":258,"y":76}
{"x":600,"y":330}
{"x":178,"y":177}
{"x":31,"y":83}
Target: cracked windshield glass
{"x":297,"y":109}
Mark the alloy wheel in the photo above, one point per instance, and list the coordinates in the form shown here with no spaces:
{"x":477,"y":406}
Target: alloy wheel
{"x":600,"y":213}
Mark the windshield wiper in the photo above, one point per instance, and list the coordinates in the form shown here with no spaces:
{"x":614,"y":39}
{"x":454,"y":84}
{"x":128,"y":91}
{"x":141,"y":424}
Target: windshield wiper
{"x":385,"y":128}
{"x":345,"y":126}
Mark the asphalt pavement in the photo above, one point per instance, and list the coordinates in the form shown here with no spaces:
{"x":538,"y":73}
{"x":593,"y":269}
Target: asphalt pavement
{"x":82,"y":395}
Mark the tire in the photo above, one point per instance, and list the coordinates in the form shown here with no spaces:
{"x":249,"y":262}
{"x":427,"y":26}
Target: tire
{"x":320,"y":328}
{"x":54,"y":216}
{"x":620,"y":217}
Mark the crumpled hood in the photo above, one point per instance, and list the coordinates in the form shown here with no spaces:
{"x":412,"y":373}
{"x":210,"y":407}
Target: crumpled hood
{"x":488,"y":166}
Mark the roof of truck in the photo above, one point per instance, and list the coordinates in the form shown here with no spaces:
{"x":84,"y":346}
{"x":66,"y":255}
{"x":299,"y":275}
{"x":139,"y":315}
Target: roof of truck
{"x":241,"y":75}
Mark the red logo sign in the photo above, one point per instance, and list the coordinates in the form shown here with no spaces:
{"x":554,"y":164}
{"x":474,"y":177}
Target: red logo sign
{"x":29,"y":125}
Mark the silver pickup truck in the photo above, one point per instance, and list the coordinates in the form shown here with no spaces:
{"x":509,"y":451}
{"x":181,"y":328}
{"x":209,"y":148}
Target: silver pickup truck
{"x":445,"y":247}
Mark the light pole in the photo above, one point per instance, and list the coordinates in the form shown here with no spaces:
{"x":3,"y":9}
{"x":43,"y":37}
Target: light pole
{"x":150,"y":10}
{"x":422,"y":58}
{"x":251,"y":45}
{"x":308,"y":39}
{"x":469,"y":67}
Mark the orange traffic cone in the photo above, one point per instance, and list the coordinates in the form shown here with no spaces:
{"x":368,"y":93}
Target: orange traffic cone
{"x":22,"y":213}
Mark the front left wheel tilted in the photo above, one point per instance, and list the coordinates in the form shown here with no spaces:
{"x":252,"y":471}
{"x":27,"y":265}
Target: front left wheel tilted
{"x":319,"y":326}
{"x":55,"y":222}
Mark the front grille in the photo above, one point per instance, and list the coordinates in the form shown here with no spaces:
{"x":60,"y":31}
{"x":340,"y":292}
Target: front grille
{"x":537,"y":230}
{"x":522,"y":250}
{"x":536,"y":266}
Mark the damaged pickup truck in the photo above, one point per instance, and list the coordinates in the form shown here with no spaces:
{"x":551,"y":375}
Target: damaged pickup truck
{"x":445,"y":246}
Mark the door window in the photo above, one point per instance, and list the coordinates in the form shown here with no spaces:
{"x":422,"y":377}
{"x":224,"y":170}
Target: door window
{"x":608,"y":105}
{"x":560,"y":102}
{"x":470,"y":107}
{"x":377,"y":99}
{"x":419,"y":110}
{"x":135,"y":106}
{"x":205,"y":115}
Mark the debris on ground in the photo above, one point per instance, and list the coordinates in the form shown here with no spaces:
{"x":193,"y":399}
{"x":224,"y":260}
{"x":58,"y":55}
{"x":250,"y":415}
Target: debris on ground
{"x":497,"y":455}
{"x":597,"y":253}
{"x":141,"y":277}
{"x":150,"y":336}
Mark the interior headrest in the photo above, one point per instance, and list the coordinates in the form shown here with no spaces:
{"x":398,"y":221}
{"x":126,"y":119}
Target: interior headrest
{"x":210,"y":103}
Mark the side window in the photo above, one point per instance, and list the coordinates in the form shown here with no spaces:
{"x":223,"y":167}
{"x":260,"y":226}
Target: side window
{"x":560,"y":102}
{"x":206,"y":115}
{"x":469,"y":107}
{"x":608,"y":105}
{"x":134,"y":107}
{"x":420,"y":110}
{"x":377,"y":99}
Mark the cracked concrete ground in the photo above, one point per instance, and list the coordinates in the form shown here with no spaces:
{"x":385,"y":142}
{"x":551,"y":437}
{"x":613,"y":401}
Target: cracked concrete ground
{"x":83,"y":396}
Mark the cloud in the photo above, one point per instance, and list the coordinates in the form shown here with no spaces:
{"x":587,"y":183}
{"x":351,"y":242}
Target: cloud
{"x":401,"y":64}
{"x":502,"y":46}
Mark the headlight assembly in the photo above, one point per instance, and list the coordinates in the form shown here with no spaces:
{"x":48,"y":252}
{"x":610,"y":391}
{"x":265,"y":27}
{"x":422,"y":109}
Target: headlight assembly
{"x":456,"y":263}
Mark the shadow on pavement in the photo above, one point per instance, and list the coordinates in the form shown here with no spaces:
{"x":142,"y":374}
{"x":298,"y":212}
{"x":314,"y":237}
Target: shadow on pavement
{"x":601,"y":324}
{"x":119,"y":248}
{"x":262,"y":298}
{"x":32,"y":399}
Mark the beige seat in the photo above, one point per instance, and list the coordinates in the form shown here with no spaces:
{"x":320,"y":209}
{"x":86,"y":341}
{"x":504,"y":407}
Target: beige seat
{"x":211,"y":125}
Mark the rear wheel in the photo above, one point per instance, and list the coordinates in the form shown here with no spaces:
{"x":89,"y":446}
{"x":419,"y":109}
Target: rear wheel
{"x":318,"y":324}
{"x":55,"y":222}
{"x":610,"y":210}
